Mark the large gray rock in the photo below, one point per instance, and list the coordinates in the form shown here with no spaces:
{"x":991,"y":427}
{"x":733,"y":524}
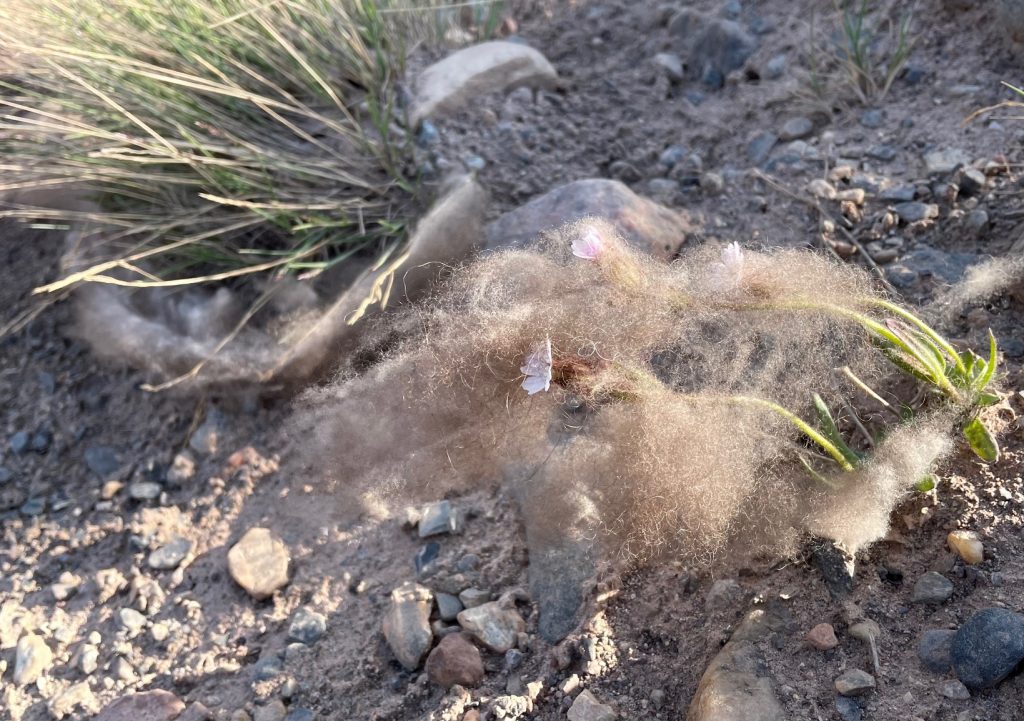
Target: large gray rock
{"x":406,"y":624}
{"x":643,"y":223}
{"x":448,"y":85}
{"x":736,"y":686}
{"x":988,"y":647}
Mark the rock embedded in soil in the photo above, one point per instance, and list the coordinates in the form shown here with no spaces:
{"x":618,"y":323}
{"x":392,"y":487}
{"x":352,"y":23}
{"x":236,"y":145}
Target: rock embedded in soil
{"x":155,"y":705}
{"x":943,"y":162}
{"x":406,"y":624}
{"x":723,"y":595}
{"x":736,"y":686}
{"x":473,"y":597}
{"x":102,"y":461}
{"x":586,"y":707}
{"x":935,"y":649}
{"x":932,"y":587}
{"x":713,"y":47}
{"x":643,"y":223}
{"x":307,"y":626}
{"x":494,"y":625}
{"x":492,"y":67}
{"x":823,"y":637}
{"x":170,"y":555}
{"x":182,"y":469}
{"x":455,"y":661}
{"x":988,"y":647}
{"x":448,"y":606}
{"x":259,"y":563}
{"x":760,"y":147}
{"x":914,"y":211}
{"x":835,"y":565}
{"x":32,"y":659}
{"x":438,"y":518}
{"x":854,"y":682}
{"x":967,"y":545}
{"x":131,"y":620}
{"x":78,"y":695}
{"x":848,"y":708}
{"x":955,"y":690}
{"x":274,"y":710}
{"x":796,"y":128}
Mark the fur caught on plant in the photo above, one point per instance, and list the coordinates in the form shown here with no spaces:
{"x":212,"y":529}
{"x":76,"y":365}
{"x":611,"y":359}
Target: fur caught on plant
{"x":667,"y":408}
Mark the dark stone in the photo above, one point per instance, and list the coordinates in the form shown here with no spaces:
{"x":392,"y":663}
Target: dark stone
{"x":988,"y":647}
{"x":934,"y":650}
{"x":307,"y":626}
{"x":885,"y":153}
{"x":914,"y":211}
{"x":41,"y":441}
{"x":913,"y":75}
{"x":19,"y":443}
{"x":672,"y":156}
{"x":426,"y":557}
{"x":5,"y":475}
{"x":932,"y":587}
{"x":427,"y":135}
{"x":557,"y":577}
{"x":837,"y":569}
{"x":760,"y":147}
{"x":849,"y":709}
{"x":872,"y":118}
{"x":898,"y":194}
{"x":268,"y":668}
{"x":972,"y":182}
{"x":33,"y":507}
{"x":929,"y":262}
{"x":299,"y":714}
{"x":102,"y":461}
{"x":714,"y":47}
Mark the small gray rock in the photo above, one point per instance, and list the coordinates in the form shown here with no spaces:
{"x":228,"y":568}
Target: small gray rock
{"x":448,"y":606}
{"x":988,"y":647}
{"x":972,"y":182}
{"x":898,"y":194}
{"x":934,"y":649}
{"x":976,"y":221}
{"x":267,"y":668}
{"x":932,"y":587}
{"x":170,"y":555}
{"x":663,"y":187}
{"x":271,"y":711}
{"x":796,"y":128}
{"x":854,"y":682}
{"x":884,"y":153}
{"x":849,"y":709}
{"x":586,"y":707}
{"x":307,"y":626}
{"x":955,"y":690}
{"x":19,"y":442}
{"x":775,"y":68}
{"x":914,"y":212}
{"x":493,"y":625}
{"x":299,"y":714}
{"x":473,"y":597}
{"x":406,"y":624}
{"x":672,"y":156}
{"x":672,"y":65}
{"x":760,"y":147}
{"x":941,"y":162}
{"x":872,"y":118}
{"x":438,"y":518}
{"x":144,"y":490}
{"x":102,"y":461}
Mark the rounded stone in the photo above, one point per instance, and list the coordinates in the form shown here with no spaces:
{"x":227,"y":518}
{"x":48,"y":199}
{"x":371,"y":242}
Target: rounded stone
{"x":823,"y":637}
{"x":854,"y":682}
{"x":455,"y":661}
{"x":259,"y":563}
{"x":988,"y":647}
{"x":932,"y":587}
{"x":934,"y":650}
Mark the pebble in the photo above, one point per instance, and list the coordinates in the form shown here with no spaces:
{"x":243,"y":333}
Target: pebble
{"x":941,"y":162}
{"x":473,"y":597}
{"x":33,"y":507}
{"x":448,"y":606}
{"x":32,"y":659}
{"x":438,"y":518}
{"x":131,"y":620}
{"x":672,"y":65}
{"x":775,"y":68}
{"x":849,"y":709}
{"x":102,"y":461}
{"x":885,"y":153}
{"x":898,"y":194}
{"x":273,"y":711}
{"x":88,"y":659}
{"x":955,"y":690}
{"x":19,"y":442}
{"x":513,"y":659}
{"x":988,"y":647}
{"x":586,"y":707}
{"x":914,"y":211}
{"x":307,"y":626}
{"x":427,"y":135}
{"x":406,"y":624}
{"x":872,"y":118}
{"x":149,"y":706}
{"x":854,"y":682}
{"x":495,"y":626}
{"x":455,"y":661}
{"x":205,"y":438}
{"x":967,"y":545}
{"x":976,"y":222}
{"x":299,"y":714}
{"x":821,"y":188}
{"x":722,"y":595}
{"x":426,"y":557}
{"x":510,"y":707}
{"x":78,"y":695}
{"x":822,"y":637}
{"x":796,"y":128}
{"x":760,"y":147}
{"x":469,"y":562}
{"x":662,"y":187}
{"x":932,"y":587}
{"x":170,"y":555}
{"x":853,"y":195}
{"x":144,"y":490}
{"x":182,"y":469}
{"x":267,"y":668}
{"x":712,"y":182}
{"x":41,"y":440}
{"x":259,"y":563}
{"x":672,"y":156}
{"x":972,"y":182}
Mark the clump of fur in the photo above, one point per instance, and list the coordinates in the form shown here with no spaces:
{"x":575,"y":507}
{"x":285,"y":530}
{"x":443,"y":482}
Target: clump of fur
{"x":647,"y":436}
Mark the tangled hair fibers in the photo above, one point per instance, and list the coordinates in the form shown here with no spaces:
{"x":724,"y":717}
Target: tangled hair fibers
{"x":657,"y":434}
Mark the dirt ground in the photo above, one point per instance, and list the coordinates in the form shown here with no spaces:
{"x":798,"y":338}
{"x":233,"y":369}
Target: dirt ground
{"x":652,"y":634}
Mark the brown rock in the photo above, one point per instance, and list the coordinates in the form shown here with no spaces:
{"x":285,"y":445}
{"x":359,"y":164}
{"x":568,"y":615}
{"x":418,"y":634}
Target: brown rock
{"x":149,"y":706}
{"x":455,"y":661}
{"x":645,"y":224}
{"x":822,"y":637}
{"x":259,"y":563}
{"x":586,"y":707}
{"x":406,"y":624}
{"x":737,"y":686}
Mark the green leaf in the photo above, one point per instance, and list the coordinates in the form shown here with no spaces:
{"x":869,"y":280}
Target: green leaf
{"x":815,"y":475}
{"x":990,"y":367}
{"x":828,"y":426}
{"x":981,"y":441}
{"x":927,"y":483}
{"x":987,"y":399}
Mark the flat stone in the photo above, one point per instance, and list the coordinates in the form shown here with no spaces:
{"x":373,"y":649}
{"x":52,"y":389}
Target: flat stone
{"x":988,"y":647}
{"x":259,"y":563}
{"x":586,"y":707}
{"x":102,"y":461}
{"x":455,"y":661}
{"x":822,"y":637}
{"x":760,"y":147}
{"x":643,"y":223}
{"x":473,"y":597}
{"x":932,"y":587}
{"x":955,"y":690}
{"x":898,"y":194}
{"x":32,"y":659}
{"x":935,"y":649}
{"x":736,"y":686}
{"x":854,"y":682}
{"x":915,"y":211}
{"x":149,"y":706}
{"x":170,"y":555}
{"x":940,"y":162}
{"x":928,"y":262}
{"x":406,"y":624}
{"x":494,"y":625}
{"x":448,"y":606}
{"x":145,"y":490}
{"x":967,"y":545}
{"x":492,"y":67}
{"x":307,"y":626}
{"x":438,"y":518}
{"x":273,"y":710}
{"x":558,"y":574}
{"x":796,"y":128}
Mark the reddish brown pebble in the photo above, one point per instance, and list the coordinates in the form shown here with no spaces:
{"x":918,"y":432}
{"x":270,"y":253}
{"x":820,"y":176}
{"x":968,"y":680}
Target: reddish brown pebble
{"x":823,"y":637}
{"x":455,"y":661}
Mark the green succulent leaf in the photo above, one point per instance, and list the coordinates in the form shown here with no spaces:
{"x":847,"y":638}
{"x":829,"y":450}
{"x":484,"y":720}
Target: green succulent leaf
{"x":990,"y":366}
{"x":981,"y":441}
{"x":831,"y":431}
{"x":987,"y":399}
{"x":927,"y":483}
